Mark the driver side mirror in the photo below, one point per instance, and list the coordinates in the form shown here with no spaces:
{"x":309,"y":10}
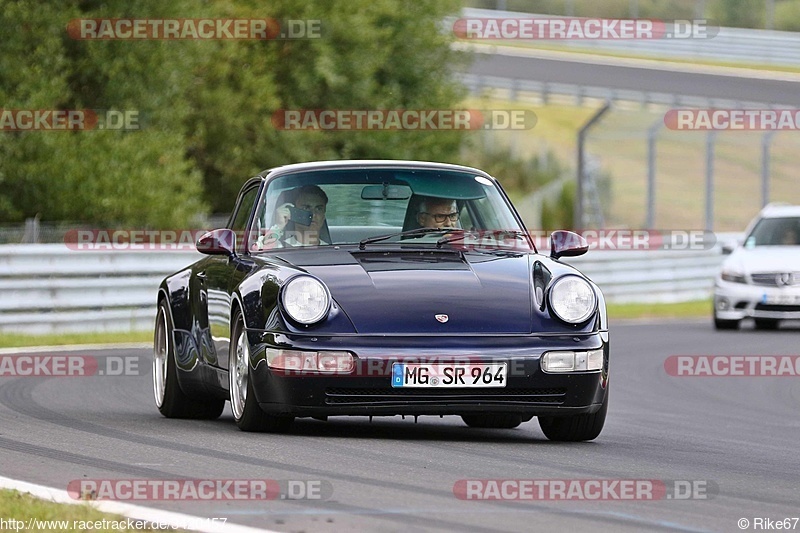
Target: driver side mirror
{"x":567,"y":244}
{"x":217,"y":242}
{"x":729,"y":247}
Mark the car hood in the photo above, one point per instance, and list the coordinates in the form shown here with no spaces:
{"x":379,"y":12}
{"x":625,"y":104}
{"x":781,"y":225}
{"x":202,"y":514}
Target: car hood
{"x":404,"y":291}
{"x":764,"y":259}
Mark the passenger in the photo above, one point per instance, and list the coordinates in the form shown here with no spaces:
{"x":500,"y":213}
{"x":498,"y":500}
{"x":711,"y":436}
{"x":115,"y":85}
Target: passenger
{"x":789,"y":236}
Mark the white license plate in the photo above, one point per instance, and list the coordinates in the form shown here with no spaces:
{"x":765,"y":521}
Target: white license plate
{"x":782,"y":299}
{"x":449,"y":375}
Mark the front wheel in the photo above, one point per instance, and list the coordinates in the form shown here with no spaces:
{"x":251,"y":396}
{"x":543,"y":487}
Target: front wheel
{"x":246,"y":412}
{"x":722,"y":324}
{"x":575,"y":427}
{"x":170,"y":399}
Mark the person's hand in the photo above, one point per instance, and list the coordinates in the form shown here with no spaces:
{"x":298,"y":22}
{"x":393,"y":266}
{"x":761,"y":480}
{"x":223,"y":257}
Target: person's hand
{"x":282,"y":216}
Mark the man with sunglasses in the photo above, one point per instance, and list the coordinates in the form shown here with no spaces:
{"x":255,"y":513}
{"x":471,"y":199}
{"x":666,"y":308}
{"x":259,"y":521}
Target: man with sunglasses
{"x":438,"y":213}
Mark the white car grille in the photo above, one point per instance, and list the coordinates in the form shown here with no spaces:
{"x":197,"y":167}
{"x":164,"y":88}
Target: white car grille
{"x":776,"y":279}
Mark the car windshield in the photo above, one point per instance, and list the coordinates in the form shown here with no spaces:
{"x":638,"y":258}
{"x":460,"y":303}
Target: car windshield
{"x":355,"y":205}
{"x":784,"y":231}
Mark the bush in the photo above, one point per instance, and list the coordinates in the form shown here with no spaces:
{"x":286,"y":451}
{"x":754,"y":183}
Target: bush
{"x":559,"y":214}
{"x":518,"y":176}
{"x":787,"y":15}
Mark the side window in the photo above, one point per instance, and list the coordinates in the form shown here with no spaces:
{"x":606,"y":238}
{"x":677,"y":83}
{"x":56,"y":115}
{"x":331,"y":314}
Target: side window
{"x":243,"y":210}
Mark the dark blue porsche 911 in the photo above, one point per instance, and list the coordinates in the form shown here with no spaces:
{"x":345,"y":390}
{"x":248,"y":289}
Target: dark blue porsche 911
{"x":382,"y":288}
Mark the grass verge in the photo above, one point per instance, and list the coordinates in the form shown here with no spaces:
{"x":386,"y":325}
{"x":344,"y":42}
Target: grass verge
{"x":698,"y":308}
{"x":618,"y":148}
{"x":32,"y":514}
{"x":13,"y":340}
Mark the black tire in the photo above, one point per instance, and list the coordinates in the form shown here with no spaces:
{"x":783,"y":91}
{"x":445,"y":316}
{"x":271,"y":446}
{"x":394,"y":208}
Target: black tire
{"x":725,"y":324}
{"x":495,"y":420}
{"x":174,"y":403}
{"x":766,"y":323}
{"x":574,"y":428}
{"x":251,"y":418}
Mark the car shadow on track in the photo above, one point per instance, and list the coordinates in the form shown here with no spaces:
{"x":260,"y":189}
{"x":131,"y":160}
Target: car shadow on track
{"x":429,"y":428}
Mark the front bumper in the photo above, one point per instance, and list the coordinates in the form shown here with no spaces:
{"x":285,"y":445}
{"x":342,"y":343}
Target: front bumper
{"x":735,"y":301}
{"x":368,"y":390}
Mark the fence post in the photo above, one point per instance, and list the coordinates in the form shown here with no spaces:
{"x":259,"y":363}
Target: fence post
{"x":710,"y":140}
{"x":652,"y":135}
{"x":766,"y":144}
{"x":31,"y":235}
{"x":578,"y":215}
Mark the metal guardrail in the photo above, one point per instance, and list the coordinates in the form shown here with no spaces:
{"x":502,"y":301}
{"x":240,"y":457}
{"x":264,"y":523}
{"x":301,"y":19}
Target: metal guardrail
{"x":47,"y":288}
{"x":662,"y":276}
{"x":517,"y":88}
{"x":735,"y":45}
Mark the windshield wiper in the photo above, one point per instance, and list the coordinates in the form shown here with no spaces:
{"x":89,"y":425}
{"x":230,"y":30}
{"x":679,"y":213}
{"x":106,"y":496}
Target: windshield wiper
{"x":419,"y":232}
{"x":460,"y":234}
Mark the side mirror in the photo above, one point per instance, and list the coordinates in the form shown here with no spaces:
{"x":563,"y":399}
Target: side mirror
{"x":728,"y":248}
{"x":217,"y":242}
{"x":567,"y":244}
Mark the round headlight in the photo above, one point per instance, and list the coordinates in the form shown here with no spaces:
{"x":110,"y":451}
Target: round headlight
{"x":572,"y":299}
{"x":306,"y":299}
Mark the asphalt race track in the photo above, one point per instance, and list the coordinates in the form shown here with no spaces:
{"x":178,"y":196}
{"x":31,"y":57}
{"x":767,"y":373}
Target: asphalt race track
{"x":636,"y":78}
{"x":735,"y":438}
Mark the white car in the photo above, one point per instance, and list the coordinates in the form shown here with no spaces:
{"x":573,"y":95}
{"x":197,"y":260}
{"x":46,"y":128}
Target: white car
{"x":761,"y":278}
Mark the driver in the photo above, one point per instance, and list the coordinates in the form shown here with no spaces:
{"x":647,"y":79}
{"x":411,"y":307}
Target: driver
{"x":288,"y":232}
{"x":438,"y":213}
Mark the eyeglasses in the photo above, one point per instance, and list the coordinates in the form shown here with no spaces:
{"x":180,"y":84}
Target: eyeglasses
{"x":441,"y":218}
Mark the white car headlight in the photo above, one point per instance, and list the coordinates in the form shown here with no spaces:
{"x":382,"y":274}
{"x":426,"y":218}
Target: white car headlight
{"x":733,"y":276}
{"x":572,"y":299}
{"x":306,"y":299}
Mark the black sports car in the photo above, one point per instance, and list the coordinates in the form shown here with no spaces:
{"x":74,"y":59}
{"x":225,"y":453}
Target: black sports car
{"x":382,"y":288}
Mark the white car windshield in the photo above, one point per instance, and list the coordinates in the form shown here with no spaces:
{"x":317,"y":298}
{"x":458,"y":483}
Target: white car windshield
{"x":783,"y":231}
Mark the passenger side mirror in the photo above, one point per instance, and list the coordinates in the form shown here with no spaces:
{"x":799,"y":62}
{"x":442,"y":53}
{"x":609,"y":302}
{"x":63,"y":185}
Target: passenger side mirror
{"x":567,"y":244}
{"x":217,"y":242}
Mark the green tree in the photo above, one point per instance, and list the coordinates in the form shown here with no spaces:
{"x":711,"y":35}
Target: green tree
{"x":373,"y":54}
{"x":207,"y":106}
{"x":102,"y":177}
{"x":737,"y":13}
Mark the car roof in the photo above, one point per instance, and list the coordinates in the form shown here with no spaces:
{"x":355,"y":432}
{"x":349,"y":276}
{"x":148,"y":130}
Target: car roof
{"x":779,"y":210}
{"x":368,"y":163}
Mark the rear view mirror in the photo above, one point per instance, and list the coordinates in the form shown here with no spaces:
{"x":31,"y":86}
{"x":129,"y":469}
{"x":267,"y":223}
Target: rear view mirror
{"x":386,"y":192}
